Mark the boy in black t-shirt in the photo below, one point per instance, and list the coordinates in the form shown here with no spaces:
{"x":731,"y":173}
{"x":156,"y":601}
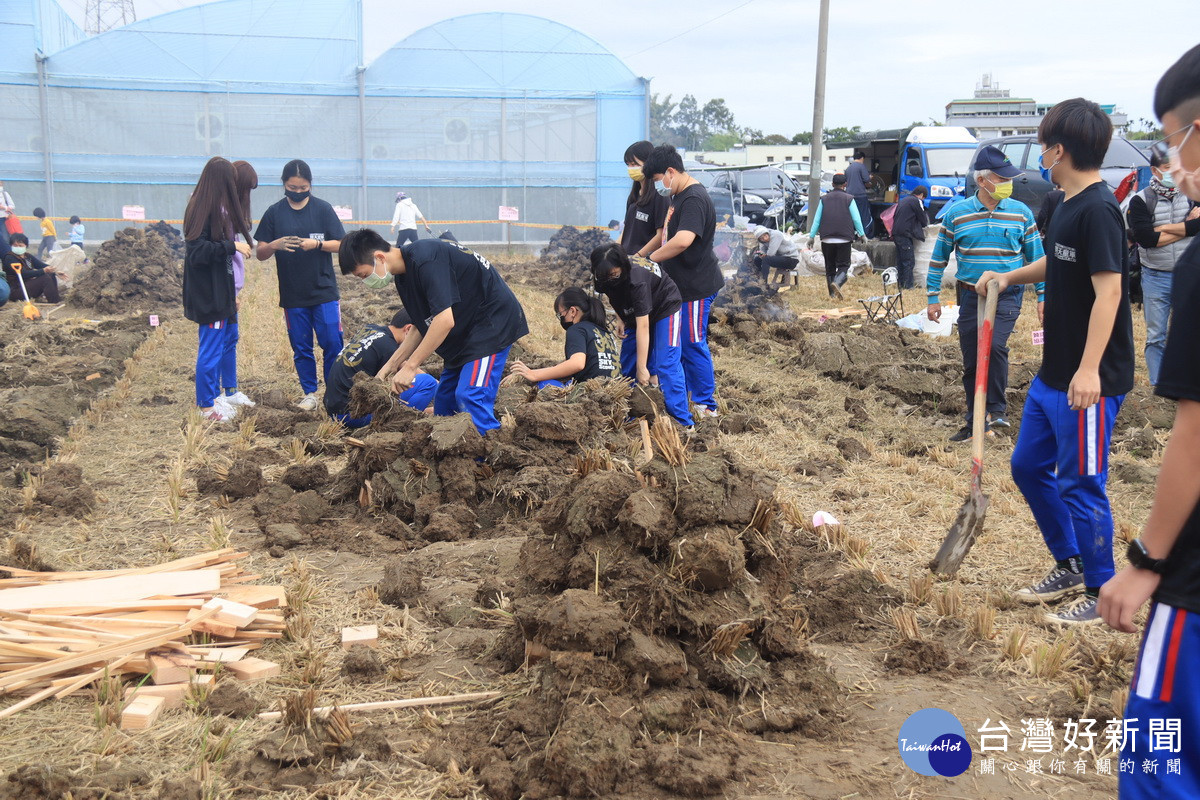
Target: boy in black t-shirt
{"x":590,"y":349}
{"x":1060,"y":462}
{"x":460,"y":307}
{"x":686,"y":255}
{"x":1164,"y":564}
{"x":368,"y":353}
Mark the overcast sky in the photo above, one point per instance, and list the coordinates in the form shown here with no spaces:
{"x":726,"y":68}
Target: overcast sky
{"x":890,"y":61}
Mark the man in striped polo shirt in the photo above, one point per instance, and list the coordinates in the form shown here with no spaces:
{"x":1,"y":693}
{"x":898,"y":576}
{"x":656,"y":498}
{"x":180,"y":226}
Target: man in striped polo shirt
{"x":987,"y":232}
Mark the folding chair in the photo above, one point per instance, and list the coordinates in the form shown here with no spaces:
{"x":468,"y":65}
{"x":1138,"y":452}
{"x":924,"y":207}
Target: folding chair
{"x":889,"y":306}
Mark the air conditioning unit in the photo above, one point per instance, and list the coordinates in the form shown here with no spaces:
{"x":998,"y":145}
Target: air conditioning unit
{"x":210,"y":129}
{"x":379,"y":151}
{"x":457,"y":130}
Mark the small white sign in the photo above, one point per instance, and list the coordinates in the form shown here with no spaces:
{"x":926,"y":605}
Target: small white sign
{"x":344,"y":212}
{"x":133,"y":213}
{"x":509,"y":214}
{"x":1039,"y":336}
{"x":154,"y":320}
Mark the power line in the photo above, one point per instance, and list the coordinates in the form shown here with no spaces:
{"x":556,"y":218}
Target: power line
{"x":693,"y":28}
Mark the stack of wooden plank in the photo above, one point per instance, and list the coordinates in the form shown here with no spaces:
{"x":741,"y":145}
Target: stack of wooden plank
{"x":163,"y":625}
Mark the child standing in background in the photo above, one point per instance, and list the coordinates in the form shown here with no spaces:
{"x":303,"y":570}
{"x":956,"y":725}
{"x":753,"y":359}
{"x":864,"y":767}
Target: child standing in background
{"x":48,"y":233}
{"x":77,"y":231}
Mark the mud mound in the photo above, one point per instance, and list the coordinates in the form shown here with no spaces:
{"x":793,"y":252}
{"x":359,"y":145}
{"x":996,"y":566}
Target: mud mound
{"x":748,"y":294}
{"x":133,"y":270}
{"x":565,"y":261}
{"x":172,"y":236}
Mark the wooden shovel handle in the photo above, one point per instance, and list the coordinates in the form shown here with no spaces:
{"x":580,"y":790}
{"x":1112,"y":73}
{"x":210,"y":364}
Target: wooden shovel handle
{"x":983,"y":355}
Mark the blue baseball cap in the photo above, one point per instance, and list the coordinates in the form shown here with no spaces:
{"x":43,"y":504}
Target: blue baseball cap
{"x":990,"y":158}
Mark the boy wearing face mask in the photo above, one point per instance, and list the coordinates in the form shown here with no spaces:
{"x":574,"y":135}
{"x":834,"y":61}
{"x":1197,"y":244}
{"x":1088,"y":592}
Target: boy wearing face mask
{"x":40,"y":280}
{"x":460,"y":307}
{"x":1060,"y":462}
{"x":989,"y":232}
{"x":1162,"y":222}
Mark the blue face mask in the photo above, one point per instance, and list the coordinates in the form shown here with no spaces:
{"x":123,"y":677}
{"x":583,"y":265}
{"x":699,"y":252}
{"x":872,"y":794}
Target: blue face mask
{"x":662,"y":189}
{"x":1047,"y":171}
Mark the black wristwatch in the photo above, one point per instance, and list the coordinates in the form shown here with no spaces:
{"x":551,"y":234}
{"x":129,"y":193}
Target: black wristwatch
{"x":1140,"y":558}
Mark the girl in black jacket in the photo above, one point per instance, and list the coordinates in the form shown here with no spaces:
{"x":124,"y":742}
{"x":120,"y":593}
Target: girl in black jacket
{"x":212,"y":218}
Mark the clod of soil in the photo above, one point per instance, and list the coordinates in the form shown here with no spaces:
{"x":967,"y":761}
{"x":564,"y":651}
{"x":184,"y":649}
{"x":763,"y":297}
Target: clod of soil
{"x":172,"y":236}
{"x":853,"y":449}
{"x":231,"y":700}
{"x":135,"y":269}
{"x":402,"y":583}
{"x":740,"y":422}
{"x":285,"y":536}
{"x":575,"y":620}
{"x":242,"y":478}
{"x":917,"y":656}
{"x":65,"y":491}
{"x":313,"y":475}
{"x":362,"y":662}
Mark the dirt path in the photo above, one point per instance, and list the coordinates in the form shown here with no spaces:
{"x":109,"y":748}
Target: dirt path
{"x":862,"y":443}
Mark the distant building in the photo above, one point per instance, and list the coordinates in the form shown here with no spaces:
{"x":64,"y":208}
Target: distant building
{"x":993,"y":112}
{"x":741,"y":155}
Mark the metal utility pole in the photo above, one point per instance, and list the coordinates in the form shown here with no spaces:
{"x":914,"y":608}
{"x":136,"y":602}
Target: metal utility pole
{"x":818,"y":126}
{"x":104,"y":15}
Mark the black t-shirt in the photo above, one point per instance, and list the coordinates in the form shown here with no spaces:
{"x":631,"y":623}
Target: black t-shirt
{"x":1086,"y":236}
{"x":1179,"y":379}
{"x":368,"y":353}
{"x":599,"y":347}
{"x":487,"y":316}
{"x":695,"y":270}
{"x":647,"y":293}
{"x":643,"y":221}
{"x":306,"y":277}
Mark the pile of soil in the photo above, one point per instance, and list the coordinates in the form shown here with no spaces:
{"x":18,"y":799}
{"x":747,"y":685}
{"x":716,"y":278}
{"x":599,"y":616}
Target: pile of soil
{"x":565,"y":261}
{"x":747,"y":293}
{"x":135,"y":270}
{"x":171,"y":235}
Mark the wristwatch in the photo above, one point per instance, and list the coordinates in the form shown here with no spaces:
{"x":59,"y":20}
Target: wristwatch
{"x":1140,"y":558}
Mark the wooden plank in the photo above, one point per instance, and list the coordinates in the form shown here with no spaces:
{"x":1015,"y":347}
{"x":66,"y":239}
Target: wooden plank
{"x":178,"y":565}
{"x":174,"y":694}
{"x":257,"y":596}
{"x":214,"y":627}
{"x":130,"y":587}
{"x":174,"y":604}
{"x":253,"y":669}
{"x":142,"y":712}
{"x":360,"y":634}
{"x":171,"y":669}
{"x":220,"y":655}
{"x":232,"y":612}
{"x":415,"y":702}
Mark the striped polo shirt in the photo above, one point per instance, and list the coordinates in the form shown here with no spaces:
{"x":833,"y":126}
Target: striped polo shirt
{"x":1000,"y":240}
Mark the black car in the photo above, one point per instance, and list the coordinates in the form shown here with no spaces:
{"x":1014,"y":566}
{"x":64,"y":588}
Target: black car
{"x":759,"y":187}
{"x":1023,"y":151}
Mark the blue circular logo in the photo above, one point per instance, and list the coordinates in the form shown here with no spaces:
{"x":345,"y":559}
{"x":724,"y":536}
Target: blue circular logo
{"x":933,"y":742}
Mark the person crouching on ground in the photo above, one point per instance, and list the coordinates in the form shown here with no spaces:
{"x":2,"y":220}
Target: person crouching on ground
{"x":368,"y":353}
{"x":212,"y":219}
{"x":775,"y":251}
{"x":1060,"y":462}
{"x":40,"y":280}
{"x":590,"y":349}
{"x":460,"y":307}
{"x":649,"y":314}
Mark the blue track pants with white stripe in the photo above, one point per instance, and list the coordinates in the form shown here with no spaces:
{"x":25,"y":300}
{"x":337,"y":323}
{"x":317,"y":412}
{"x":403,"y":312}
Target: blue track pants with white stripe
{"x":665,"y":361}
{"x":1163,"y":712}
{"x":472,"y":387}
{"x":213,"y":356}
{"x":1060,"y":464}
{"x":697,"y":358}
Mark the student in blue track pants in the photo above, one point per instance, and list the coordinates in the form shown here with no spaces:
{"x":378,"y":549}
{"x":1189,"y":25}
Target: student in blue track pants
{"x":302,"y":232}
{"x":210,"y":222}
{"x":648,"y":306}
{"x":687,"y":257}
{"x":1164,"y":563}
{"x":591,"y":351}
{"x":368,"y":353}
{"x":461,"y":308}
{"x":1060,"y":462}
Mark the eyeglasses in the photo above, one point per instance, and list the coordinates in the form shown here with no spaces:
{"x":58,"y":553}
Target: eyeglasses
{"x":1162,"y":151}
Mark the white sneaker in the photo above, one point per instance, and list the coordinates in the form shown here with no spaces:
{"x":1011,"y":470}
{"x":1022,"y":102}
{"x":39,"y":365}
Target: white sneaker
{"x":227,"y":409}
{"x":239,"y":399}
{"x":309,"y":403}
{"x":708,"y":413}
{"x":216,"y":413}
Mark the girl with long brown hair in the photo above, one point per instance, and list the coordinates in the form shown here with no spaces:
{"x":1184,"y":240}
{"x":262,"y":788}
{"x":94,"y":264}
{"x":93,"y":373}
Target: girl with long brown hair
{"x":212,"y":219}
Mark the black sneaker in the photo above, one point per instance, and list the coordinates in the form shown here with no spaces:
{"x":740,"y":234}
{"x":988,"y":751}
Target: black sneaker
{"x":964,"y":434}
{"x":1058,"y":583}
{"x":1084,"y":611}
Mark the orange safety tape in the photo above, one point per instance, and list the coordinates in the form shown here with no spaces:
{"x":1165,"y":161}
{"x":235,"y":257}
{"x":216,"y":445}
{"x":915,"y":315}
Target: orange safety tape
{"x":549,"y":225}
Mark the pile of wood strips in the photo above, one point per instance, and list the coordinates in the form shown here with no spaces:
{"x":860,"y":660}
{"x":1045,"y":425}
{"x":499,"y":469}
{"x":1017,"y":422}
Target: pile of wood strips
{"x":164,"y":625}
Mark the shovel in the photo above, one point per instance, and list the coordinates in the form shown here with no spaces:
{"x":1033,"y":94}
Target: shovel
{"x":30,"y":310}
{"x":969,"y":522}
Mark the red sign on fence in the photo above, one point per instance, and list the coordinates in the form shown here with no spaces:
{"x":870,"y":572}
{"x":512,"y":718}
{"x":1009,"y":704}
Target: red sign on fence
{"x":509,"y":214}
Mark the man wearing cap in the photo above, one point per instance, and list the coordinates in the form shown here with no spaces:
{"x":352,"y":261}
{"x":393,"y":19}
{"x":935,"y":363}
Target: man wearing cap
{"x":837,"y":222}
{"x":368,"y":353}
{"x":857,"y":178}
{"x":404,"y":219}
{"x":987,"y":232}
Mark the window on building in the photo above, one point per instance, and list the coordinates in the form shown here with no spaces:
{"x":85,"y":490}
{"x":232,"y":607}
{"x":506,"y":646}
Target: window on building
{"x":770,"y":159}
{"x":787,"y":158}
{"x":833,"y":159}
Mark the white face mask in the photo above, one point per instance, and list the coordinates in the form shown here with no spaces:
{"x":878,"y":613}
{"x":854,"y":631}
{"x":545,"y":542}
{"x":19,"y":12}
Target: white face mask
{"x":1186,"y":180}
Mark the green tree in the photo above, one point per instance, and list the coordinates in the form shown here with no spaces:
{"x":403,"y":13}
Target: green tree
{"x":662,"y":114}
{"x":719,"y":141}
{"x":804,"y":137}
{"x":841,"y":134}
{"x":1143,"y":129}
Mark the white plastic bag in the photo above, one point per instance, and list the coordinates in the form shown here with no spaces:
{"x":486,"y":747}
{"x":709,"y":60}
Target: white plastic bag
{"x":920,"y":322}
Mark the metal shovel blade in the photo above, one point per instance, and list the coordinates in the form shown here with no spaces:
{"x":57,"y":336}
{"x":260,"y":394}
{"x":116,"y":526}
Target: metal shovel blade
{"x":962,"y":535}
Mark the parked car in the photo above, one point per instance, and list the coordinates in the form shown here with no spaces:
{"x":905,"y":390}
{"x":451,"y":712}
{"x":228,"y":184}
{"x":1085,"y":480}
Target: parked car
{"x":748,"y":192}
{"x":1031,"y":189}
{"x":802,"y":170}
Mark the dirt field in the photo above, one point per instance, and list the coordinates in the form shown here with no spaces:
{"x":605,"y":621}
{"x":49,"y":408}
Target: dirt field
{"x":671,"y":629}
